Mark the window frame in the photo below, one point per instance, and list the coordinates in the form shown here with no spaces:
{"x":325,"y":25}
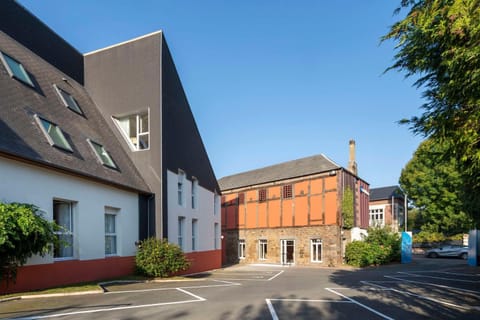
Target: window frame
{"x":375,"y":212}
{"x":262,"y":249}
{"x":194,"y":234}
{"x":138,"y":133}
{"x":75,"y":108}
{"x":66,"y":145}
{"x":24,"y":77}
{"x":70,"y":231}
{"x":241,"y":248}
{"x":194,"y":193}
{"x":287,"y":191}
{"x":181,"y":233}
{"x":262,"y":195}
{"x":114,"y":234}
{"x":113,"y":164}
{"x":315,"y":245}
{"x":181,"y":177}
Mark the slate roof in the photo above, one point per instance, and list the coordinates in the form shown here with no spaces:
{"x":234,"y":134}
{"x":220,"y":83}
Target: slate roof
{"x":384,"y":193}
{"x":21,"y":136}
{"x":286,"y":170}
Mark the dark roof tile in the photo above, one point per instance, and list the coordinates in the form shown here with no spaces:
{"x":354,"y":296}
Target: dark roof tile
{"x":286,"y":170}
{"x":22,"y":137}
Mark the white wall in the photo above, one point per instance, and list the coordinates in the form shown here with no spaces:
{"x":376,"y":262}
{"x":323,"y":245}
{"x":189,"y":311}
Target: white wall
{"x":34,"y":185}
{"x":204,"y":213}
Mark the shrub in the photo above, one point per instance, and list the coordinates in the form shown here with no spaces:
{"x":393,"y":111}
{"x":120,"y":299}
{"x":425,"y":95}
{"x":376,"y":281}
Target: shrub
{"x":159,"y":258}
{"x":379,"y":247}
{"x":23,"y":233}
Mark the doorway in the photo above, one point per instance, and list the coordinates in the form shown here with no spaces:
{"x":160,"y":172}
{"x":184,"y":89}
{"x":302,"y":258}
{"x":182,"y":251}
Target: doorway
{"x":287,"y":251}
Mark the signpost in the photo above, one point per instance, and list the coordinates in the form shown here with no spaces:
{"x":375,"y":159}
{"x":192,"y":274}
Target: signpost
{"x":406,"y":247}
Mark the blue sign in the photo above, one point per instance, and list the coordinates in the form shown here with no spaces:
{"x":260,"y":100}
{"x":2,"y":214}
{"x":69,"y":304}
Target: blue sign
{"x":473,"y":247}
{"x":406,"y":247}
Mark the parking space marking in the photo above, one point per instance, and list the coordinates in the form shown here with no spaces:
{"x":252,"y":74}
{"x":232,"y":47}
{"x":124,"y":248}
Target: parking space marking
{"x":276,"y":275}
{"x":378,"y":313}
{"x":436,"y":300}
{"x":197,"y":298}
{"x":440,"y":278}
{"x":431,"y":284}
{"x":347,"y":300}
{"x":447,"y":272}
{"x":224,"y":284}
{"x":109,"y":309}
{"x":252,"y":276}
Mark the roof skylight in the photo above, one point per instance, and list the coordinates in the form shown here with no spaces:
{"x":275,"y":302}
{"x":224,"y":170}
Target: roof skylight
{"x":15,"y":69}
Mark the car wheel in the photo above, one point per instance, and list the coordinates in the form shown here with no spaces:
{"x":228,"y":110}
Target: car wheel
{"x":464,"y":256}
{"x":433,"y":255}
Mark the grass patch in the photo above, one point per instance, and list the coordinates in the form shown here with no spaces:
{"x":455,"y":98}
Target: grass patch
{"x":84,"y":286}
{"x":78,"y":287}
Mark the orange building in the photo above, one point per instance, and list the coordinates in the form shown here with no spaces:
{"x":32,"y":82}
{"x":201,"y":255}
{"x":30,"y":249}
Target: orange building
{"x":290,"y":213}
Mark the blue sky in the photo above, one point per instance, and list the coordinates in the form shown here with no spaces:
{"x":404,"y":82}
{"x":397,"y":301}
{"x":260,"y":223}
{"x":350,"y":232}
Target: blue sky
{"x":270,"y":81}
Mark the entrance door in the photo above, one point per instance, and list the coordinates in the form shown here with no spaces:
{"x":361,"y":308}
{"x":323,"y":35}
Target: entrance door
{"x":287,"y":251}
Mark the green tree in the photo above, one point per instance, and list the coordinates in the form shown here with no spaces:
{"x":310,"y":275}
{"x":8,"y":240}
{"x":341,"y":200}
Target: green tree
{"x":347,"y":208}
{"x":23,"y":233}
{"x":439,"y":41}
{"x":433,"y":185}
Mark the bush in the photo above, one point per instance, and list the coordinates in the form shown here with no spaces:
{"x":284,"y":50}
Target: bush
{"x":23,"y":233}
{"x":159,"y":258}
{"x":379,"y":247}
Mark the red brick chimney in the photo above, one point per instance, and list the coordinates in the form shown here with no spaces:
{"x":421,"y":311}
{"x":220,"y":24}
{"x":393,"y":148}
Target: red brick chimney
{"x":352,"y":164}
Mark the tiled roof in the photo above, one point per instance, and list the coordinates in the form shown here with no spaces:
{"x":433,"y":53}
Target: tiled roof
{"x":385,"y":193}
{"x":22,"y":137}
{"x":286,"y":170}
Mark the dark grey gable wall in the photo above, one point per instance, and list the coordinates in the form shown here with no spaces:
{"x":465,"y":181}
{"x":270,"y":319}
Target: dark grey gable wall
{"x":182,"y":145}
{"x":24,"y":27}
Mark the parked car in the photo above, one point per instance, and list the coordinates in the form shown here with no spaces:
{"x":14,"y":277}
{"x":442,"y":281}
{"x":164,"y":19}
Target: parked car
{"x":448,"y":251}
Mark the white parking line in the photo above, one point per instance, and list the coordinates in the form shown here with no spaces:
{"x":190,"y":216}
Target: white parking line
{"x":451,"y":273}
{"x":440,"y":278}
{"x":109,"y":309}
{"x":348,"y":300}
{"x":436,"y":300}
{"x":276,"y":275}
{"x":431,"y":284}
{"x":181,"y":289}
{"x":360,"y":304}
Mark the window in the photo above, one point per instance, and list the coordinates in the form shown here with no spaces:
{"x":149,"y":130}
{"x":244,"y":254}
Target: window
{"x":241,"y":249}
{"x":216,"y":232}
{"x":68,"y":100}
{"x":110,"y":231}
{"x":216,"y":203}
{"x":136,"y":129}
{"x":194,"y":234}
{"x":377,"y":218}
{"x":262,"y":195}
{"x":63,"y":216}
{"x":15,"y":69}
{"x":181,"y":180}
{"x":54,"y":134}
{"x":181,"y":231}
{"x":102,"y":154}
{"x":262,"y":249}
{"x":287,"y":191}
{"x":194,"y":193}
{"x":316,"y":250}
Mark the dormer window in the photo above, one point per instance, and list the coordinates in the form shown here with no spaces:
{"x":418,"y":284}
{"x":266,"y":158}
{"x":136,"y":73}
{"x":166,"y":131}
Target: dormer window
{"x":135,"y":129}
{"x":102,"y":154}
{"x":68,"y":100}
{"x":53,"y":134}
{"x":15,"y":69}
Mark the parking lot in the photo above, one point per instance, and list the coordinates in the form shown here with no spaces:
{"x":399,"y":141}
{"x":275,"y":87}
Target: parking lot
{"x":425,"y":289}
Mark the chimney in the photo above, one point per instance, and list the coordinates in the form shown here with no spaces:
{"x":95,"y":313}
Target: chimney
{"x":352,"y":164}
